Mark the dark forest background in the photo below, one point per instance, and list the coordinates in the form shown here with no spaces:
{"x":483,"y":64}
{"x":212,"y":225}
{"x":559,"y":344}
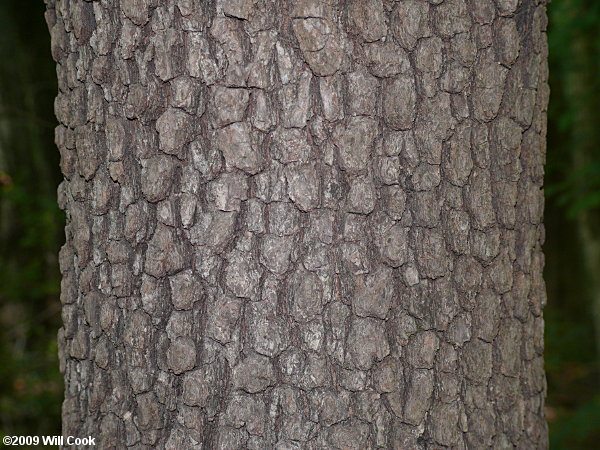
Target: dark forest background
{"x":31,"y":226}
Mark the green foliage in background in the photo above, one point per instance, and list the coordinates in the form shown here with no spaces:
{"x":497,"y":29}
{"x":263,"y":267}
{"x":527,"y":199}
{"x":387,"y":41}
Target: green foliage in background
{"x":30,"y":225}
{"x":574,"y":134}
{"x":572,"y":206}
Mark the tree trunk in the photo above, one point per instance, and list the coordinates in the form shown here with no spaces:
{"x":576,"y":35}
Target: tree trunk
{"x":302,"y":224}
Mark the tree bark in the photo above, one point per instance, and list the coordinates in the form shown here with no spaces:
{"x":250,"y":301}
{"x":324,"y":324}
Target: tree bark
{"x":302,"y":224}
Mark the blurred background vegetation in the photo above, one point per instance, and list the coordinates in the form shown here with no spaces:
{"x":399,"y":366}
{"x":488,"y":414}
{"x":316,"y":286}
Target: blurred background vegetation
{"x":572,"y":219}
{"x":31,"y":226}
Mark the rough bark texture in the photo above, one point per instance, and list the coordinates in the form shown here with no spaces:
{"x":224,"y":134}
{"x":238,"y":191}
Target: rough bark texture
{"x":302,"y":224}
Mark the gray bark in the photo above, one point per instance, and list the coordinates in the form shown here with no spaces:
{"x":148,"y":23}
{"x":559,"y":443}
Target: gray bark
{"x":302,"y":224}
